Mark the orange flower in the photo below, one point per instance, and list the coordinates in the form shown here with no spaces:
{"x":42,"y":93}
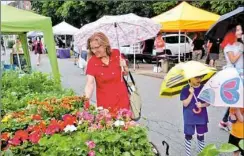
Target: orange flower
{"x":5,"y":136}
{"x":36,"y":117}
{"x":62,"y":125}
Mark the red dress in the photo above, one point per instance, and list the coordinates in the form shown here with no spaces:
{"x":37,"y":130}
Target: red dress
{"x":111,"y":92}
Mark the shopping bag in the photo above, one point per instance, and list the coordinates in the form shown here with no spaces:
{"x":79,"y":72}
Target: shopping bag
{"x":134,"y":97}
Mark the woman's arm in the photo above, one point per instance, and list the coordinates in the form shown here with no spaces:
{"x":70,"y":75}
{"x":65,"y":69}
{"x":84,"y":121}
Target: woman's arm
{"x":209,"y":46}
{"x":89,"y":86}
{"x":239,"y":115}
{"x":233,"y":58}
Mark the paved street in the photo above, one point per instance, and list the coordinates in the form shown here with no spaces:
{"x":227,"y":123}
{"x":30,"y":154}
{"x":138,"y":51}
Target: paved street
{"x":162,"y":116}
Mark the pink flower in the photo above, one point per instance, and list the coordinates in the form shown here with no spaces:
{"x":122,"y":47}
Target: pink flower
{"x":14,"y":141}
{"x":86,"y":116}
{"x":124,"y":114}
{"x":91,"y":153}
{"x":93,"y":127}
{"x":130,"y":124}
{"x":91,"y":144}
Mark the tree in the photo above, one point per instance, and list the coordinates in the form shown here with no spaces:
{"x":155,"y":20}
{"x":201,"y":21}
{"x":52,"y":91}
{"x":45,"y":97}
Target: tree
{"x":78,"y":13}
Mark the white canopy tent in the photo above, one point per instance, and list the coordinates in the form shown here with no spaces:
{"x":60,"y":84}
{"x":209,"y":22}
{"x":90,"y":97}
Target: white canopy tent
{"x":64,"y":28}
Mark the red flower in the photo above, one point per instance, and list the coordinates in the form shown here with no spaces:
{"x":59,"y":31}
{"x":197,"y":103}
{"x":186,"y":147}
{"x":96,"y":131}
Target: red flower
{"x":69,"y":119}
{"x":86,"y":104}
{"x":53,"y":127}
{"x":4,"y":136}
{"x":34,"y":137}
{"x":30,"y":128}
{"x":36,"y":117}
{"x":14,"y":141}
{"x":21,"y":134}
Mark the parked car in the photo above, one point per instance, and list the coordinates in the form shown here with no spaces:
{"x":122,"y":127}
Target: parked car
{"x":172,"y":44}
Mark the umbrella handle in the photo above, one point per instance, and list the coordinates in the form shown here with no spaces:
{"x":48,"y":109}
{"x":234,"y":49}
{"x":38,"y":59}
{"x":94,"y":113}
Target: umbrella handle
{"x":197,"y":111}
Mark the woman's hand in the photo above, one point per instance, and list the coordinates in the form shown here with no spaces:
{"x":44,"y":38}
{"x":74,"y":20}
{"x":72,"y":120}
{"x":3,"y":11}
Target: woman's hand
{"x":124,"y":66}
{"x":123,"y":62}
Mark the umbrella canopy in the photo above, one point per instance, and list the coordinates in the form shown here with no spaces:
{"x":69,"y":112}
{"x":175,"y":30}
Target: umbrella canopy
{"x":187,"y":18}
{"x":223,"y":25}
{"x":17,"y":21}
{"x":120,"y":29}
{"x":64,"y":28}
{"x":34,"y":34}
{"x":224,"y":89}
{"x":180,"y":74}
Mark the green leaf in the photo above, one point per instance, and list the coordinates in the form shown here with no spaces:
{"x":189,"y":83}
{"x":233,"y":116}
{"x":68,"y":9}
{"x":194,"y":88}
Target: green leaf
{"x":209,"y":150}
{"x":126,"y":154}
{"x":137,"y":153}
{"x":241,"y":144}
{"x":8,"y":152}
{"x":113,"y":138}
{"x":227,"y":148}
{"x":43,"y":141}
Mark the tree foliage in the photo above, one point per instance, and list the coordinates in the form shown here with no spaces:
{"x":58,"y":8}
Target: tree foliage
{"x":79,"y":13}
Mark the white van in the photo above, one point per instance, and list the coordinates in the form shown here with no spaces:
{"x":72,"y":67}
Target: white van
{"x":172,"y":44}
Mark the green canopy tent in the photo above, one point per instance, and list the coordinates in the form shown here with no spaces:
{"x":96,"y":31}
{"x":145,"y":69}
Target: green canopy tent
{"x":17,"y":21}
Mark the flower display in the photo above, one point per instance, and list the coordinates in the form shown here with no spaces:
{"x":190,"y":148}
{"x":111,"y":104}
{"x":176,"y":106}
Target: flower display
{"x":50,"y":125}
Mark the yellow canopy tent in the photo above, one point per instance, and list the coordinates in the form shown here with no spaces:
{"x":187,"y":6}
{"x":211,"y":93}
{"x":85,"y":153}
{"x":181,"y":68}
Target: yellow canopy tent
{"x":186,"y":18}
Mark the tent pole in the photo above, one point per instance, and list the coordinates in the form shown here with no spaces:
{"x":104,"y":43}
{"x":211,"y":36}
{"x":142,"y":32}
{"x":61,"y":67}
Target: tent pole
{"x":65,"y":41}
{"x":17,"y":53}
{"x":23,"y":40}
{"x":185,"y":48}
{"x":179,"y":48}
{"x":49,"y":40}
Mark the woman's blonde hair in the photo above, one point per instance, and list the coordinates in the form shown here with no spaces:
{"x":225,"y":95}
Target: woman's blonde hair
{"x":102,"y":40}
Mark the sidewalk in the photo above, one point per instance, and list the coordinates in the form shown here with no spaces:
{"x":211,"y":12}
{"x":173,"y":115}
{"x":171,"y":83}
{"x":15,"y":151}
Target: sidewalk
{"x":147,"y":69}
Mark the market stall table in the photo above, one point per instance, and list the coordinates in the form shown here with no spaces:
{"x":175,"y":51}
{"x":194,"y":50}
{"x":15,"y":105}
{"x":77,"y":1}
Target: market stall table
{"x":63,"y":53}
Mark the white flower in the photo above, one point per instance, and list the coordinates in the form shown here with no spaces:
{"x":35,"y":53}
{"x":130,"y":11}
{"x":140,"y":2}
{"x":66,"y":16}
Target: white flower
{"x":80,"y":122}
{"x":118,"y":123}
{"x":70,"y":128}
{"x":99,"y":108}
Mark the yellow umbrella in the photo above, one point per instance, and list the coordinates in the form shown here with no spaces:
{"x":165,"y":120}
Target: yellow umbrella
{"x":180,"y":74}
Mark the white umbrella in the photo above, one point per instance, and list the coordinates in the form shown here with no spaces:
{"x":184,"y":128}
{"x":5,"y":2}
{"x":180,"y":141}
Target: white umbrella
{"x":34,"y":34}
{"x":120,"y":29}
{"x":225,"y":89}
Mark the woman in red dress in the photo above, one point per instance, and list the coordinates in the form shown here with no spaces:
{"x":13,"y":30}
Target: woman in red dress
{"x":104,"y":70}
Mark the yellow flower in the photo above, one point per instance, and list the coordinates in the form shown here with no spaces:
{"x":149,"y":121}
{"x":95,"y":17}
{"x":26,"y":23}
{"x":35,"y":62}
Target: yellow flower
{"x":6,"y":118}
